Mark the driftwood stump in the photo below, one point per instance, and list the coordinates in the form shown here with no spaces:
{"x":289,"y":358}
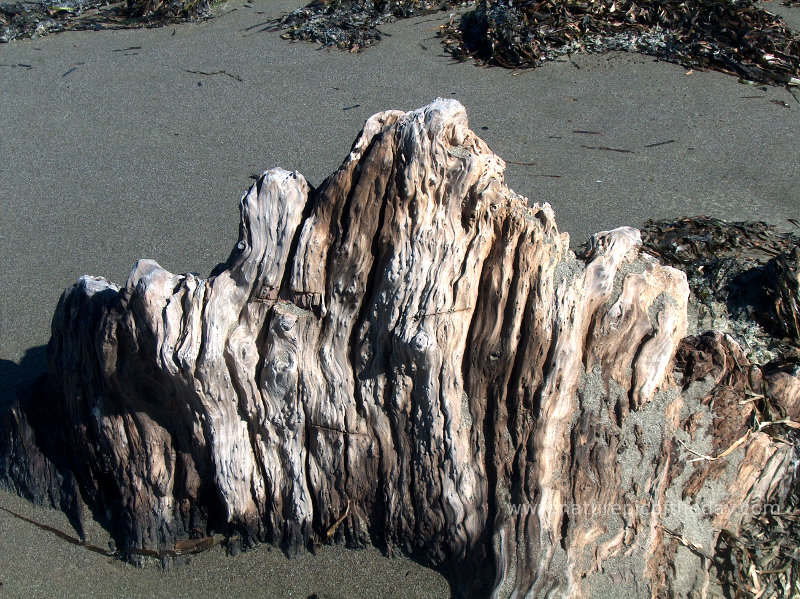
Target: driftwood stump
{"x":409,"y":356}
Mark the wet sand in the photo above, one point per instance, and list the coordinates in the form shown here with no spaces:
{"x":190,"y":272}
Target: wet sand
{"x":118,"y":145}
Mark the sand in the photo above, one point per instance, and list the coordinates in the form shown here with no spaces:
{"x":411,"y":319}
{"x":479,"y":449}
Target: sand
{"x":117,"y":145}
{"x":37,"y":564}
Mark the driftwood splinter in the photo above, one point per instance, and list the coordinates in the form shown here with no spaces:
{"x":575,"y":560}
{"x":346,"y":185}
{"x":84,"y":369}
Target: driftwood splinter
{"x":409,"y":356}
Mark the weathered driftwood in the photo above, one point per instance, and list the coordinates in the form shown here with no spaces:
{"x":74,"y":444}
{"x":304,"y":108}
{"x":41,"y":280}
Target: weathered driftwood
{"x":409,"y":356}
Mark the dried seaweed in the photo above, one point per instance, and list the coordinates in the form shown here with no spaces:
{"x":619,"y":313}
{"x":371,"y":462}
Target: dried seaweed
{"x":735,"y":37}
{"x":352,"y":24}
{"x":762,"y":560}
{"x":28,"y":19}
{"x":739,"y":278}
{"x":783,"y":289}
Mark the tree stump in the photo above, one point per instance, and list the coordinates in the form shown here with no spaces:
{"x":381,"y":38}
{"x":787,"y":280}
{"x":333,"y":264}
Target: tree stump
{"x":409,"y":356}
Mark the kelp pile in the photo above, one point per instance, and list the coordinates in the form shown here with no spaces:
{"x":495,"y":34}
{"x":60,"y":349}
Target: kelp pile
{"x":735,"y":37}
{"x":27,"y":19}
{"x":743,"y":279}
{"x":352,"y":24}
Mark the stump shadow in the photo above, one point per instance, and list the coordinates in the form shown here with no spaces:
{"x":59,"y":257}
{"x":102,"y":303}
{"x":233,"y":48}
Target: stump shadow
{"x":23,"y":384}
{"x":18,"y":379}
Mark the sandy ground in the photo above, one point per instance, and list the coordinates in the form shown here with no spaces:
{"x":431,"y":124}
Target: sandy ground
{"x":36,"y":564}
{"x":116,"y":145}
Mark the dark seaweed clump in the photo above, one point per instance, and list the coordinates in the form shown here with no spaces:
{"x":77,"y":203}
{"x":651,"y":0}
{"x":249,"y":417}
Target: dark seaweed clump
{"x":742,"y":277}
{"x":33,"y":19}
{"x":735,"y":37}
{"x":353,"y":24}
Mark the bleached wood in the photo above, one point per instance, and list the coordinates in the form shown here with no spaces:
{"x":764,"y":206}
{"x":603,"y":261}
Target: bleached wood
{"x":416,"y":349}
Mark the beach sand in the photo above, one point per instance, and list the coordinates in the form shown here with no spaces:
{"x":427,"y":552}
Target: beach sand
{"x":118,"y":145}
{"x":36,"y":564}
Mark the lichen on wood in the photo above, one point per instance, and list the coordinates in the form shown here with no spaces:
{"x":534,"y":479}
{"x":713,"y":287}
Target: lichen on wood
{"x":411,"y":356}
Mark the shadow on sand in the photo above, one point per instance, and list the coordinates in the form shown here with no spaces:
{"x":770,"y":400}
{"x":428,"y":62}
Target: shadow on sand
{"x":15,"y":378}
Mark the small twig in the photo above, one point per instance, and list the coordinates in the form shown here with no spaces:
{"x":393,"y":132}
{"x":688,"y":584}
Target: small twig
{"x":332,"y":529}
{"x":660,"y":143}
{"x":608,"y":149}
{"x":690,"y":450}
{"x":239,"y":79}
{"x":702,"y":457}
{"x":750,"y":400}
{"x":693,"y":547}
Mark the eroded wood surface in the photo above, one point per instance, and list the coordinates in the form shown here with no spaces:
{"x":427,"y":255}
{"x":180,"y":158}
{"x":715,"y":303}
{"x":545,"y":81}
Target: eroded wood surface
{"x":409,"y":356}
